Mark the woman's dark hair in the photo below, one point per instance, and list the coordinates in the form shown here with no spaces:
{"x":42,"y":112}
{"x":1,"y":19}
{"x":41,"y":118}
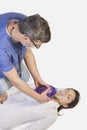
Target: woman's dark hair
{"x":73,"y":103}
{"x":36,"y":28}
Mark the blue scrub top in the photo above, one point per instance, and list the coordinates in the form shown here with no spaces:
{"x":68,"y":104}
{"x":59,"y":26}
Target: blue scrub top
{"x":8,"y":49}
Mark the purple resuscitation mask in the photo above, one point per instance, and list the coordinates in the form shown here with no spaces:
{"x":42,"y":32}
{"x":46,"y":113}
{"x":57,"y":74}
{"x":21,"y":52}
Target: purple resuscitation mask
{"x":50,"y":93}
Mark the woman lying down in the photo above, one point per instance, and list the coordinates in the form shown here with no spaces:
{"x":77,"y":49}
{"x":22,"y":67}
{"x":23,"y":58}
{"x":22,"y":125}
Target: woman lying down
{"x":21,"y":112}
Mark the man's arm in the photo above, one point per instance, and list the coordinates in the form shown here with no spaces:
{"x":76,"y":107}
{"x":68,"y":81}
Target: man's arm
{"x":19,"y":83}
{"x":32,"y":67}
{"x":16,"y":81}
{"x":31,"y":64}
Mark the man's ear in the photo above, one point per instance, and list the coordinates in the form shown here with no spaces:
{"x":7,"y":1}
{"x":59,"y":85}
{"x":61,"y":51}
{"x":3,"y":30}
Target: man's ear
{"x":27,"y":38}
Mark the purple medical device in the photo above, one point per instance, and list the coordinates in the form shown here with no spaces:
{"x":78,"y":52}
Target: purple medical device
{"x":50,"y":93}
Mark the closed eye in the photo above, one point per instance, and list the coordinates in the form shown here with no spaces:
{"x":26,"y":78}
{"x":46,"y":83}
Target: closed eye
{"x":69,"y":96}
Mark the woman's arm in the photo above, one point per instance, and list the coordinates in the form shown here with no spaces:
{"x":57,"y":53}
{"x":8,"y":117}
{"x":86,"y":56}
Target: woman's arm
{"x":41,"y":124}
{"x":4,"y":96}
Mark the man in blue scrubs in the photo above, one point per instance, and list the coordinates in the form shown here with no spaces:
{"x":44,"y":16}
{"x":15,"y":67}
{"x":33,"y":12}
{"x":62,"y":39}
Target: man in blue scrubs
{"x":18,"y":33}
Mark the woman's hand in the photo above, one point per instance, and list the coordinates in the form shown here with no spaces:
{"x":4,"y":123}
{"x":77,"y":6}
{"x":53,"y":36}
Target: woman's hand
{"x":3,"y":97}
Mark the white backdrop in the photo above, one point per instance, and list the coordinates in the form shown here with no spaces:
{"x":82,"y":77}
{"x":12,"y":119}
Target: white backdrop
{"x":63,"y":61}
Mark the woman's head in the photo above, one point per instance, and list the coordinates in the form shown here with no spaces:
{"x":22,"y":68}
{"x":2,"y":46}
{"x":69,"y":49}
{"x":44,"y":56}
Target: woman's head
{"x":67,"y":98}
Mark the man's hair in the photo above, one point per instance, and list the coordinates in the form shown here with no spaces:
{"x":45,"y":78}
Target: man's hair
{"x":36,"y":28}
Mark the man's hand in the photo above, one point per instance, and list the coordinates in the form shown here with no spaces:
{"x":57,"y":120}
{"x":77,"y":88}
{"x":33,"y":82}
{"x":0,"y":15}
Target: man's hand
{"x":40,"y":82}
{"x":43,"y":97}
{"x":3,"y":97}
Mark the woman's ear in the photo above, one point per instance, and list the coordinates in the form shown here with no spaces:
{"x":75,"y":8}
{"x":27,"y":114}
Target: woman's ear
{"x":65,"y":105}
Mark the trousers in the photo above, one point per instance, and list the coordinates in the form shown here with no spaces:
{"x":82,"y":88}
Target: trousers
{"x":5,"y":83}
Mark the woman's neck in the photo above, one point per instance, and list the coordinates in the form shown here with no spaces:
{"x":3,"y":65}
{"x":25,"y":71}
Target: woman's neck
{"x":56,"y":100}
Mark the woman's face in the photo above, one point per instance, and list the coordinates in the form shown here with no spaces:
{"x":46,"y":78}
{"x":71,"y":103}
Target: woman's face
{"x":65,"y":96}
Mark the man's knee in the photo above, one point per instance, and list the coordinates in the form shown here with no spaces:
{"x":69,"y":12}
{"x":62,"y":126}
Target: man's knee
{"x":4,"y":85}
{"x":25,"y":75}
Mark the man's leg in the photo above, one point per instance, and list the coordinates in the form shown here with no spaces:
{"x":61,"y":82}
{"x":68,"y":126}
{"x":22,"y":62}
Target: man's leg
{"x":24,"y":72}
{"x":4,"y":85}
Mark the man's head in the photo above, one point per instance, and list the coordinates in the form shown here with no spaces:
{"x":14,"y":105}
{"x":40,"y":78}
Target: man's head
{"x":36,"y":28}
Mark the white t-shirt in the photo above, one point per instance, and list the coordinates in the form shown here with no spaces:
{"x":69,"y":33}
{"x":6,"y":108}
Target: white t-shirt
{"x":22,"y":112}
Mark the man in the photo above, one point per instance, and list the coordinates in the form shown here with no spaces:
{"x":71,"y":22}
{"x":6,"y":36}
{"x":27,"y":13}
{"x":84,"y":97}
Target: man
{"x":18,"y":33}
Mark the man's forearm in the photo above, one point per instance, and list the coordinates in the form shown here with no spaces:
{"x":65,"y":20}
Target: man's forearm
{"x":31,"y":64}
{"x":20,"y":84}
{"x":25,"y":88}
